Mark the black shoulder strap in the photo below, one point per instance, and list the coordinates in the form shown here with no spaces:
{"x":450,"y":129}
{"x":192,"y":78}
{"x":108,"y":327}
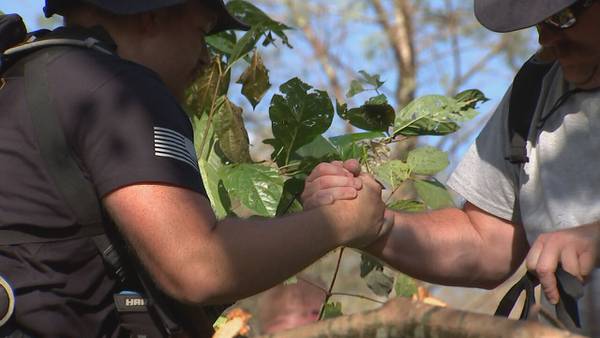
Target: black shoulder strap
{"x":76,"y":190}
{"x":570,"y":291}
{"x":523,"y":101}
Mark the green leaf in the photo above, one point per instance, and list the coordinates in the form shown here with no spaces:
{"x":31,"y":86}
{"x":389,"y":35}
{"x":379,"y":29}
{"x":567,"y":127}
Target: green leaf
{"x":297,"y":117}
{"x":220,"y":322}
{"x":407,"y":206}
{"x":332,"y":310}
{"x":356,"y":87}
{"x":373,"y":80}
{"x":258,"y":187}
{"x":259,"y":21}
{"x":288,"y":204}
{"x":392,"y":174}
{"x":213,"y":83}
{"x":405,"y":286}
{"x":290,"y":281}
{"x":434,"y":194}
{"x":255,"y":80}
{"x":354,"y":146}
{"x":222,"y":43}
{"x":368,"y":264}
{"x":245,"y":44}
{"x":427,"y":161}
{"x":375,"y":115}
{"x":231,"y":132}
{"x":380,"y":283}
{"x":471,"y":98}
{"x":431,"y":115}
{"x":348,"y":139}
{"x":210,"y":164}
{"x":319,"y":148}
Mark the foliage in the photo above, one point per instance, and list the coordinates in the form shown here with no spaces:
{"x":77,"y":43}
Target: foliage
{"x":300,"y":118}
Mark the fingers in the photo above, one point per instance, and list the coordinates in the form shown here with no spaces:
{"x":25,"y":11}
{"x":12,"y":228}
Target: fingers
{"x":328,"y":169}
{"x":352,"y":166}
{"x":328,"y":196}
{"x":329,"y":184}
{"x":545,"y":269}
{"x":546,"y":254}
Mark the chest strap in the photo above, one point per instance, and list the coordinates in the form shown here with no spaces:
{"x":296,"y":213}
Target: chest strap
{"x":524,"y":97}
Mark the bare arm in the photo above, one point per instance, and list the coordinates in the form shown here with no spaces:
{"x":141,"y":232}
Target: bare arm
{"x":199,"y":260}
{"x":467,"y":247}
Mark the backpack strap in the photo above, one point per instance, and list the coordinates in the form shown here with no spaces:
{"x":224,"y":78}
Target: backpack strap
{"x":59,"y":159}
{"x":523,"y":101}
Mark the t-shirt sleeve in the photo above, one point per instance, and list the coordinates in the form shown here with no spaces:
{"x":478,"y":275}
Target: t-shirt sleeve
{"x":131,"y":130}
{"x":484,"y":177}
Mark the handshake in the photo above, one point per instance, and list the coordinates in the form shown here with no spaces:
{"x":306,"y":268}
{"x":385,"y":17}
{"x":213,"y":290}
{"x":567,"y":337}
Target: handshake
{"x":351,"y":202}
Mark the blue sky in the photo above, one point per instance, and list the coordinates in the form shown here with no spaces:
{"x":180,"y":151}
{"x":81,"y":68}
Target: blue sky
{"x":493,"y":85}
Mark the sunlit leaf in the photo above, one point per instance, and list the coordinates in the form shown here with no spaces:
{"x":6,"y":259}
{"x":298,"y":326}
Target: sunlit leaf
{"x":289,"y":203}
{"x":210,"y":164}
{"x":246,"y":44}
{"x":405,"y":286}
{"x":259,"y":21}
{"x":375,"y":115}
{"x":212,"y":84}
{"x":222,"y":43}
{"x":392,"y":173}
{"x":297,"y":117}
{"x":427,"y":161}
{"x":431,"y":115}
{"x":354,"y":146}
{"x":255,"y":80}
{"x":258,"y":187}
{"x":231,"y":131}
{"x":407,"y":206}
{"x":373,"y":80}
{"x":471,"y":98}
{"x":434,"y":194}
{"x":368,"y":264}
{"x":332,"y":310}
{"x":356,"y":87}
{"x":291,"y":281}
{"x":380,"y":283}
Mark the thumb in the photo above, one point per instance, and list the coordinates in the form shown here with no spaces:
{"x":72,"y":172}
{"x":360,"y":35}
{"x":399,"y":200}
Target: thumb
{"x":352,"y":166}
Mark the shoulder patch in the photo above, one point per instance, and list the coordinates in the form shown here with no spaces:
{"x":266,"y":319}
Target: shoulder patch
{"x":172,"y":144}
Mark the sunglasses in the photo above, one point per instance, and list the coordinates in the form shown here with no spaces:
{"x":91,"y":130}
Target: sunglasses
{"x":568,"y":16}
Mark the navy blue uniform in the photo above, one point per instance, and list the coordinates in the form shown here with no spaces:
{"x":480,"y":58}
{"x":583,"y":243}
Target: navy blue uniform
{"x":125,"y":128}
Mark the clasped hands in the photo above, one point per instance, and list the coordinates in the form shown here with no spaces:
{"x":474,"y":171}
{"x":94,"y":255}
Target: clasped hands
{"x":356,"y":198}
{"x":575,"y":249}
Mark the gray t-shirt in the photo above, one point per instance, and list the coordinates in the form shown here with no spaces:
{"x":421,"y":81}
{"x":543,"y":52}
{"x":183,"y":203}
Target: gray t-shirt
{"x":559,"y":187}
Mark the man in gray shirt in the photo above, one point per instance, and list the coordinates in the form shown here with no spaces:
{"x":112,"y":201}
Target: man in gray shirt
{"x":557,"y":191}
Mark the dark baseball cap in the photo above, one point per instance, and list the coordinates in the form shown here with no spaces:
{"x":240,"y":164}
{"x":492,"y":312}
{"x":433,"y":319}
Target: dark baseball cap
{"x":510,"y":15}
{"x":225,"y":21}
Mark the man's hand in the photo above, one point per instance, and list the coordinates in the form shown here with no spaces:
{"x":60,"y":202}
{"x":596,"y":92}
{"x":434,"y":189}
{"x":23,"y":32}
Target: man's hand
{"x":576,"y":250}
{"x":364,"y":219}
{"x":330,"y":182}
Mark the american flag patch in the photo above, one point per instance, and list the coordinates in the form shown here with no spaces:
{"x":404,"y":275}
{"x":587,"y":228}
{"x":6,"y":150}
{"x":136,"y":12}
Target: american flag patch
{"x":171,"y":144}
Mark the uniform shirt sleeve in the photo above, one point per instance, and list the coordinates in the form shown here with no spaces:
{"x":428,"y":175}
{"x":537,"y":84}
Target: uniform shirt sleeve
{"x":484,"y":177}
{"x":127,"y":128}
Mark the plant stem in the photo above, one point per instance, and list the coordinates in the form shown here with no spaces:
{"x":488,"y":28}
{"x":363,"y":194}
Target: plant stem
{"x":356,"y":296}
{"x":335,"y":274}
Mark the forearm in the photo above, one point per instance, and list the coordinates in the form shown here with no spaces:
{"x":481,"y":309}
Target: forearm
{"x":452,"y":247}
{"x":244,"y":257}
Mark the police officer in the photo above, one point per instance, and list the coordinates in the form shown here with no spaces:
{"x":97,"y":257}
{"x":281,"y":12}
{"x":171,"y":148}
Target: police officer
{"x":118,"y":107}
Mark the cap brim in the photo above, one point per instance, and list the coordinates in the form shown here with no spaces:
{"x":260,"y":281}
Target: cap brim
{"x":511,"y":15}
{"x":226,"y":20}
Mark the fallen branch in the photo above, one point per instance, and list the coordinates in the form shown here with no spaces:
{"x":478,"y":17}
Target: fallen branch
{"x":404,"y":318}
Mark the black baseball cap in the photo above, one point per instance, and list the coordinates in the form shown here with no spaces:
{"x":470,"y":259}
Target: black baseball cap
{"x":226,"y":20}
{"x":510,"y":15}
